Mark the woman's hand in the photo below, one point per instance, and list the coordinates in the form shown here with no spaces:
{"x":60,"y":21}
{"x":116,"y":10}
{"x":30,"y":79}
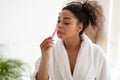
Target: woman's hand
{"x":45,"y":51}
{"x":45,"y":47}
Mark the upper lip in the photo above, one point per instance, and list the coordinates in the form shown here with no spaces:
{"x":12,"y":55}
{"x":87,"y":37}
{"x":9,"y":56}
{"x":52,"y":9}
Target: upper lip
{"x":60,"y":31}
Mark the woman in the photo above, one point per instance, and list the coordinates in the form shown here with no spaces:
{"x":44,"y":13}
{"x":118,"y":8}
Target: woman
{"x":74,"y":56}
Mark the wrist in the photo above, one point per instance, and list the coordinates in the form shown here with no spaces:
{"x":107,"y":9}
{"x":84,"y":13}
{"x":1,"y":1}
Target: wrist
{"x":45,"y":57}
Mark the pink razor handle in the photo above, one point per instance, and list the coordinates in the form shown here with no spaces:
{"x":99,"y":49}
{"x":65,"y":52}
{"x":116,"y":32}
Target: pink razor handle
{"x":54,"y":32}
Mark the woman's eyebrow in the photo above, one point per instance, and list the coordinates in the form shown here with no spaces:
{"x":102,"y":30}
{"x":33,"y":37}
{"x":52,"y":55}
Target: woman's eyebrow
{"x":65,"y":18}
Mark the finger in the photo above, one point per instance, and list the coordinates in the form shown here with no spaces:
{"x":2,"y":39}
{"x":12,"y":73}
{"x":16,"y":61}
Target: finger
{"x":47,"y":44}
{"x":47,"y":41}
{"x":46,"y":48}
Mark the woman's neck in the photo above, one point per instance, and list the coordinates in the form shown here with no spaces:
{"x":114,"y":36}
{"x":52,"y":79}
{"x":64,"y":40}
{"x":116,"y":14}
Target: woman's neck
{"x":72,"y":43}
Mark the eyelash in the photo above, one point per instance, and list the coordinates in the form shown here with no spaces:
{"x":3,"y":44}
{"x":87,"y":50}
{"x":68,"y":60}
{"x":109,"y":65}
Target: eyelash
{"x":63,"y":22}
{"x":66,"y":23}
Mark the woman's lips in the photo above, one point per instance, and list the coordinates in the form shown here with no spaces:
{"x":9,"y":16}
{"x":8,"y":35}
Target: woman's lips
{"x":60,"y":32}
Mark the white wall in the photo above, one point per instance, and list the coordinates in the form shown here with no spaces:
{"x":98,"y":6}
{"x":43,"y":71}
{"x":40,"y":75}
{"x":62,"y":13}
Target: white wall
{"x":114,"y":40}
{"x":27,"y":19}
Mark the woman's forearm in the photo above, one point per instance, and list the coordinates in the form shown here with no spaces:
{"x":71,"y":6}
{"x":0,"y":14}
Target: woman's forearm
{"x":45,"y":50}
{"x":43,"y":70}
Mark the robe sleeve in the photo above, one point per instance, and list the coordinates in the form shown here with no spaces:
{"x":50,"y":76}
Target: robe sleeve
{"x":37,"y":64}
{"x":37,"y":69}
{"x":104,"y":73}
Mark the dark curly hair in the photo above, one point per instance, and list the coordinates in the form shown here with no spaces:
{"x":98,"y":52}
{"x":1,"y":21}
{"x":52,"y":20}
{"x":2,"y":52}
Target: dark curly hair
{"x":86,"y":13}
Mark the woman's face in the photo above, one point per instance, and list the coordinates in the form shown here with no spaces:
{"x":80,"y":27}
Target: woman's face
{"x":68,"y":26}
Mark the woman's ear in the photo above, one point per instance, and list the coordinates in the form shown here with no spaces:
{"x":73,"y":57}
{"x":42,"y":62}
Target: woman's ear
{"x":80,"y":27}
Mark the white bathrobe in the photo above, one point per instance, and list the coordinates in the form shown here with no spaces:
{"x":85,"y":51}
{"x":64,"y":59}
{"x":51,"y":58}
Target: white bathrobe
{"x":91,"y":63}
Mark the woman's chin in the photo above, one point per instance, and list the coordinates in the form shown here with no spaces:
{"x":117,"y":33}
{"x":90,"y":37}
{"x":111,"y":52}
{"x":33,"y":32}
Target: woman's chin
{"x":60,"y":37}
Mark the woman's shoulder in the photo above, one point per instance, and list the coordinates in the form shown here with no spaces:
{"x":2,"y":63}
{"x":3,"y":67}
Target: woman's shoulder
{"x":99,"y":53}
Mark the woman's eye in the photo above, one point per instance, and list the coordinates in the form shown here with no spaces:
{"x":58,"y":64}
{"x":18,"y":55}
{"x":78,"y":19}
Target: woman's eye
{"x":66,"y":23}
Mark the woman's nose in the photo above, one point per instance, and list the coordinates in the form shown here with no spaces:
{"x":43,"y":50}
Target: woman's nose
{"x":59,"y":25}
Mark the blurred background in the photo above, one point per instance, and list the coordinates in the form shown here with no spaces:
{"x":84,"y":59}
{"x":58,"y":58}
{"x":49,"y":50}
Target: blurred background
{"x":24,"y":24}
